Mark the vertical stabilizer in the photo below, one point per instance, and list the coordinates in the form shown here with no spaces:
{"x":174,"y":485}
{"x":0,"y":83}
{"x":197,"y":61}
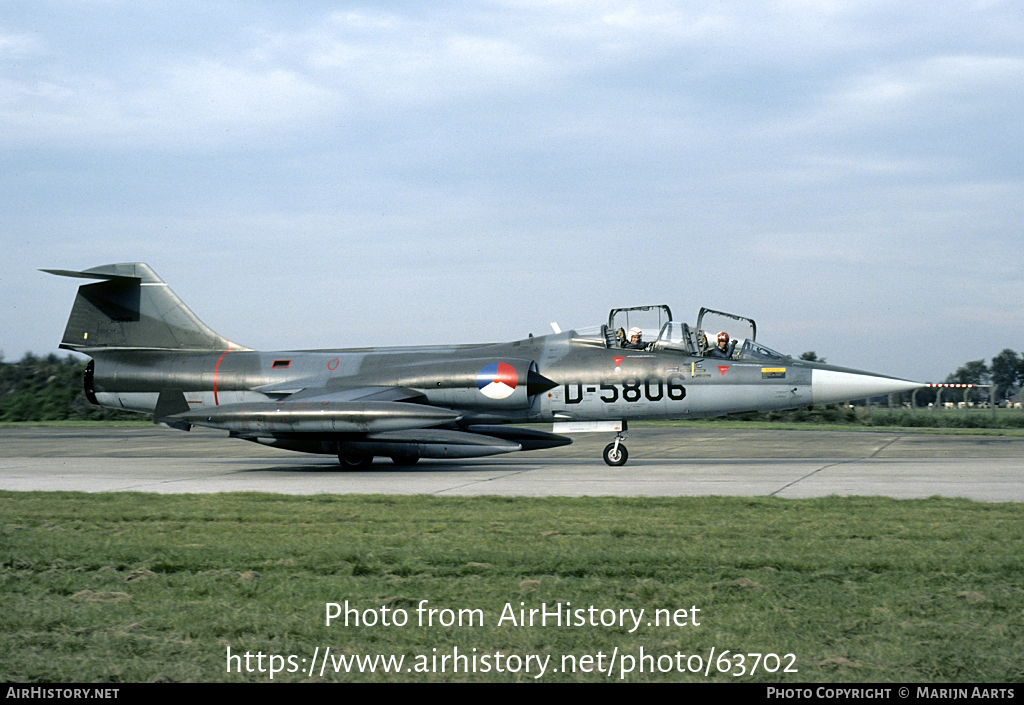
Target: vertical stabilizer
{"x":131,"y":307}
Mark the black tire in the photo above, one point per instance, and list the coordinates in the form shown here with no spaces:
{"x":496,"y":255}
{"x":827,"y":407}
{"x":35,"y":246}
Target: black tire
{"x":355,"y":461}
{"x":615,"y":459}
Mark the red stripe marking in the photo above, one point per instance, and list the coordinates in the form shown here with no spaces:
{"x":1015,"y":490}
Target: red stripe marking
{"x":216,"y":370}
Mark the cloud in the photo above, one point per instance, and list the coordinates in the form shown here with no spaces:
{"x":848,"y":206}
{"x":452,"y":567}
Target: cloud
{"x":14,"y":47}
{"x":929,"y":80}
{"x":196,"y":104}
{"x":204,"y":97}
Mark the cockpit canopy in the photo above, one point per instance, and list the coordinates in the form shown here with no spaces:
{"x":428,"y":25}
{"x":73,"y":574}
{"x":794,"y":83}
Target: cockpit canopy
{"x":660,"y":332}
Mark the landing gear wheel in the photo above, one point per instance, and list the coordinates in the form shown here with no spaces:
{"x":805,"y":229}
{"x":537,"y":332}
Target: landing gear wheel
{"x":355,"y":461}
{"x":615,"y":456}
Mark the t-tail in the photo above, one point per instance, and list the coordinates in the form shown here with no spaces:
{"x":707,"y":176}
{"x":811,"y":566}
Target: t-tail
{"x":130,"y":307}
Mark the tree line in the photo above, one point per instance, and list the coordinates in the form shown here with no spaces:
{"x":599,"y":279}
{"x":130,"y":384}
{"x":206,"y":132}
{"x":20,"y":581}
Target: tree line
{"x":48,"y":389}
{"x":1005,"y":375}
{"x":1006,"y":372}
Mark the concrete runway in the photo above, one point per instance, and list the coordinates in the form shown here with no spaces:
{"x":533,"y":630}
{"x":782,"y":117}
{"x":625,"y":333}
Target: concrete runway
{"x":663,"y":462}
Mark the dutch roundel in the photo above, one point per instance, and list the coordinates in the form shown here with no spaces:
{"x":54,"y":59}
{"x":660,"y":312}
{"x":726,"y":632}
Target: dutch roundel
{"x":497,"y":381}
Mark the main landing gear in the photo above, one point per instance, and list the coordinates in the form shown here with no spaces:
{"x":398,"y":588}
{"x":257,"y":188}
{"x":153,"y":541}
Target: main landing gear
{"x":351,"y":460}
{"x":615,"y":454}
{"x":355,"y":461}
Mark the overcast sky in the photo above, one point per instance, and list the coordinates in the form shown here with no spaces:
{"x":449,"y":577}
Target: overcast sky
{"x":848,"y":173}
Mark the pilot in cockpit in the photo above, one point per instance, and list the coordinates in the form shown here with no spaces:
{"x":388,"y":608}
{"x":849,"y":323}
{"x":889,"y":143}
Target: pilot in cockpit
{"x":723,"y":349}
{"x":636,"y":340}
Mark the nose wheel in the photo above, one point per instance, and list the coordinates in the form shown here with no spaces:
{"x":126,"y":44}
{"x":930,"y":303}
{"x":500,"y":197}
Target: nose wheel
{"x":615,"y":454}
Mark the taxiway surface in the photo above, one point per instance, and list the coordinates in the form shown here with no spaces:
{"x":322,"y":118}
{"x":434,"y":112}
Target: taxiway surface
{"x":663,"y":462}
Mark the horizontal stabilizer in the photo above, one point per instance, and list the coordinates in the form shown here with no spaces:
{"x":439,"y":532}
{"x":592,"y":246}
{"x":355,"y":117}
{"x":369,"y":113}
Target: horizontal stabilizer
{"x":101,"y":273}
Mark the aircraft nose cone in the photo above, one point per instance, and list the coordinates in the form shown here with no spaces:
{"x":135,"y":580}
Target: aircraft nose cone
{"x":831,"y":386}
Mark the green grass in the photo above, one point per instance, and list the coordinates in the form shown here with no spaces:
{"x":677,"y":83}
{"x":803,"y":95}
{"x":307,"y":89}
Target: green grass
{"x":137,"y":587}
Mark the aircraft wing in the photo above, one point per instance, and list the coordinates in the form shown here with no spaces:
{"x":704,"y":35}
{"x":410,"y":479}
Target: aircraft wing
{"x":311,"y":411}
{"x":357,"y":421}
{"x":297,"y":391}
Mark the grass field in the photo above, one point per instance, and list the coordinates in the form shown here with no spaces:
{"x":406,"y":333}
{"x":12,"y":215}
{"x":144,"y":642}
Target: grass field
{"x":136,"y":587}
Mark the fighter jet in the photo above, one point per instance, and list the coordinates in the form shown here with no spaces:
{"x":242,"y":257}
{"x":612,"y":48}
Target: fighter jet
{"x":151,"y":354}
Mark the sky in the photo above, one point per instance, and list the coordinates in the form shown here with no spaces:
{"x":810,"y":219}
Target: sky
{"x":850,"y":174}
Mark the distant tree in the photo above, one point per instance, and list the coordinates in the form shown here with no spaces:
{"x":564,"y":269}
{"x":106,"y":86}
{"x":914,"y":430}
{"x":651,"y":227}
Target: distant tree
{"x":811,"y":356}
{"x":974,"y":372}
{"x":1007,"y":371}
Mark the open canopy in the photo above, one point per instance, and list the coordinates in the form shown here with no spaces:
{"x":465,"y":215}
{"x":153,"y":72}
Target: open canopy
{"x":660,"y":332}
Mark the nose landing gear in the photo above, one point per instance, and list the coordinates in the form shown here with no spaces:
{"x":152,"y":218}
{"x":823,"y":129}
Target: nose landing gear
{"x":615,"y":454}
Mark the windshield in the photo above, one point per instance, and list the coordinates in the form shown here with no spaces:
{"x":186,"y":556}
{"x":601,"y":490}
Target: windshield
{"x":750,"y":350}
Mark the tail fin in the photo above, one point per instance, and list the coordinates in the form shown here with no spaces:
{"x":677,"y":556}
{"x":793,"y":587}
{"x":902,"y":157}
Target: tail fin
{"x":131,"y":307}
